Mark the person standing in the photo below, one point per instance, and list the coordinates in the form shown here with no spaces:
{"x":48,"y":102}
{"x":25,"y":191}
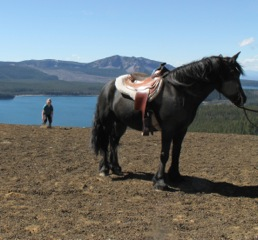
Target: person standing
{"x":47,"y":113}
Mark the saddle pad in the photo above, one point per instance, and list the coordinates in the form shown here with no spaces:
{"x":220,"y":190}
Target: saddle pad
{"x":119,"y":83}
{"x":151,"y":89}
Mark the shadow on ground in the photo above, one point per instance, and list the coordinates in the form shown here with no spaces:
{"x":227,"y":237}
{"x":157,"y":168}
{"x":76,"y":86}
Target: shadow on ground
{"x":194,"y":185}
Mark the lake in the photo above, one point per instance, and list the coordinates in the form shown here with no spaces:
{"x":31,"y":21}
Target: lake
{"x":70,"y":111}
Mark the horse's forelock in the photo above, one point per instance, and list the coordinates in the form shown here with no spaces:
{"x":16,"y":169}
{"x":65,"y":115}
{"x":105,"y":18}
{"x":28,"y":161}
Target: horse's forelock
{"x":232,"y":63}
{"x":239,"y":68}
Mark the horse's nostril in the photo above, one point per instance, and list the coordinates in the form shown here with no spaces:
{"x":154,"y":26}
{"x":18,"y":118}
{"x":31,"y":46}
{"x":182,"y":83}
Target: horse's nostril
{"x":242,"y":100}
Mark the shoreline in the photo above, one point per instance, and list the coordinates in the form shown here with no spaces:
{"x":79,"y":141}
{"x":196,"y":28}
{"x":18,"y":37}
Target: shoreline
{"x":11,"y":97}
{"x":39,"y":126}
{"x":50,"y":95}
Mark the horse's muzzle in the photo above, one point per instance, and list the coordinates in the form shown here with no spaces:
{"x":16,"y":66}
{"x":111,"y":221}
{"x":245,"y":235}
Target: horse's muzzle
{"x":239,"y":100}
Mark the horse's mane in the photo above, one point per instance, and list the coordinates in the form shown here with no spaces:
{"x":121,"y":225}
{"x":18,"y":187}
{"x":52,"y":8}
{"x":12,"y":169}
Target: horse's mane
{"x":188,"y":74}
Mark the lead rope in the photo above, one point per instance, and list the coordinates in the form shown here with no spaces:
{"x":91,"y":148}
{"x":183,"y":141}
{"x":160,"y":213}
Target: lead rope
{"x":245,"y":112}
{"x":251,"y":110}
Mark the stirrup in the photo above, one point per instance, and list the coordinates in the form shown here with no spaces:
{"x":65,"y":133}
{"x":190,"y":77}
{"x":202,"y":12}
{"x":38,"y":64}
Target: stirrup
{"x":145,"y":132}
{"x":146,"y":126}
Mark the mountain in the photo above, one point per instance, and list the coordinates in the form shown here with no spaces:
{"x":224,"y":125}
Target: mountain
{"x":66,"y":77}
{"x":100,"y":71}
{"x":13,"y":71}
{"x":126,"y":64}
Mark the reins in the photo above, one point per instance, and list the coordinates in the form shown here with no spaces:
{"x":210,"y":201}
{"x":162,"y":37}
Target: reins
{"x":250,"y":110}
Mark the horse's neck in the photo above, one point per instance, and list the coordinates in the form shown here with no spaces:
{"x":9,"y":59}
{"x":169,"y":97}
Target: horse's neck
{"x":199,"y":91}
{"x":196,"y":89}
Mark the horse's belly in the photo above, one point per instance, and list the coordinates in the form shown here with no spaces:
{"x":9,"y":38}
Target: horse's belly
{"x":133,"y":121}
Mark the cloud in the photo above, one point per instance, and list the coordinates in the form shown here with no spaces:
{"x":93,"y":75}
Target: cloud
{"x":247,"y":41}
{"x":251,"y":63}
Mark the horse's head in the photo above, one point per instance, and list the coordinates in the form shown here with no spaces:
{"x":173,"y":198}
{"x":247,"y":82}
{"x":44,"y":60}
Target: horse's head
{"x":229,"y":84}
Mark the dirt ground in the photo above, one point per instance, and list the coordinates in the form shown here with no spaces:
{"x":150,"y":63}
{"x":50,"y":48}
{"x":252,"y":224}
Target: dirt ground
{"x":50,"y":188}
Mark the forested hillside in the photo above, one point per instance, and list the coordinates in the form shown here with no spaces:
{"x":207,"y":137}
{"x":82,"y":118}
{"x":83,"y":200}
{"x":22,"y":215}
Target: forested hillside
{"x":224,"y":118}
{"x":54,"y":87}
{"x":218,"y":115}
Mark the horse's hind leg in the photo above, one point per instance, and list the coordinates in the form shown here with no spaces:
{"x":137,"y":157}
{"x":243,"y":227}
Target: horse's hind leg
{"x":103,"y":166}
{"x":104,"y":163}
{"x":117,"y":133}
{"x":104,"y":134}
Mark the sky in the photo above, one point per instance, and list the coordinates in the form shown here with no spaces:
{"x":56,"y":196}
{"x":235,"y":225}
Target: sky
{"x":173,"y":31}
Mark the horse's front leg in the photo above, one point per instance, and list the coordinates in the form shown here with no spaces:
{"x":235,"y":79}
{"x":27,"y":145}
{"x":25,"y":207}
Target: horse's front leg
{"x":173,"y":172}
{"x":159,"y":177}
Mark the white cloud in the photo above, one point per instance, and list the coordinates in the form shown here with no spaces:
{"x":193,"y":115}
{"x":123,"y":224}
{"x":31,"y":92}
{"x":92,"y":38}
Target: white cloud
{"x":251,"y":63}
{"x":247,"y":41}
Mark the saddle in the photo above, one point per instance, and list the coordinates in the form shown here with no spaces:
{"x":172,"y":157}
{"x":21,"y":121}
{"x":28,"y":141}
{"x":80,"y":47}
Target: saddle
{"x":142,"y":90}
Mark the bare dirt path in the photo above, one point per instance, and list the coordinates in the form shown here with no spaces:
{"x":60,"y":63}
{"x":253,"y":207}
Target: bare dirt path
{"x":50,"y":188}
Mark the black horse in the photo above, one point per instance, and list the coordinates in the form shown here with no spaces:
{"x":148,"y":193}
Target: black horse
{"x":175,"y":107}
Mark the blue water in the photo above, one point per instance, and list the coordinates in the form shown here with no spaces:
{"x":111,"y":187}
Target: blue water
{"x":70,"y":111}
{"x":250,"y":88}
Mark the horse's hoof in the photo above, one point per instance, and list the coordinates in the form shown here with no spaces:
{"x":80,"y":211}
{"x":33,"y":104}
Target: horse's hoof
{"x":175,"y":178}
{"x":160,"y":185}
{"x":104,"y":172}
{"x":117,"y":171}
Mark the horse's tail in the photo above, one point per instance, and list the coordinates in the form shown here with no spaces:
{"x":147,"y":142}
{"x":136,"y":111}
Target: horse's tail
{"x":103,"y":120}
{"x":97,"y":132}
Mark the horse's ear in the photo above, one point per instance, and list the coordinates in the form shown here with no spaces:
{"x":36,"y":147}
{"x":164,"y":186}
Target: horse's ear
{"x":234,"y":58}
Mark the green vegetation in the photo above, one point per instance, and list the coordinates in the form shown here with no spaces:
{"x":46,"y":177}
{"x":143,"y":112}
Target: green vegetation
{"x":6,"y":96}
{"x":20,"y":73}
{"x":219,"y":116}
{"x":224,"y":118}
{"x":53,"y":87}
{"x":19,"y":79}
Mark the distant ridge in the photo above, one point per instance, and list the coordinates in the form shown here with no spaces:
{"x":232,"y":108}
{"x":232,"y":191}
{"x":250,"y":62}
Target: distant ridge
{"x":99,"y":71}
{"x":126,"y":64}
